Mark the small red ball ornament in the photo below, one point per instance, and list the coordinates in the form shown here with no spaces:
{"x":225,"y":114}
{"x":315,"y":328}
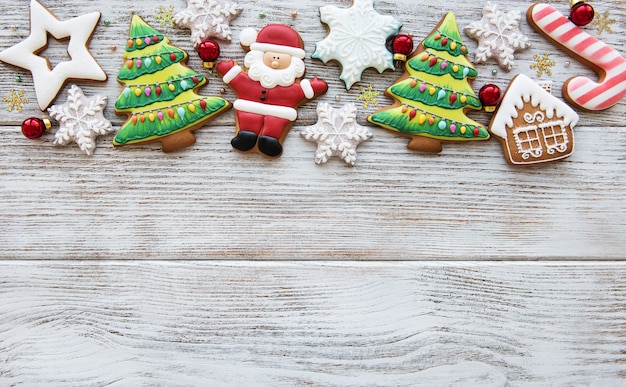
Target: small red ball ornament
{"x":490,"y":96}
{"x":401,"y":46}
{"x":581,"y":13}
{"x":34,"y":128}
{"x":209,"y":51}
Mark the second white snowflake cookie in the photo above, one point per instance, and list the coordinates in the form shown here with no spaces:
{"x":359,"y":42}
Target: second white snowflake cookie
{"x":356,"y":39}
{"x":498,"y":36}
{"x":208,"y":19}
{"x":81,"y":120}
{"x":336,"y":133}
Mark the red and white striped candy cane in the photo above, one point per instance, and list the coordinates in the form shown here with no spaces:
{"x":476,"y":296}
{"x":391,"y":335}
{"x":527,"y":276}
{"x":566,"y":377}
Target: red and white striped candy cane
{"x":602,"y":58}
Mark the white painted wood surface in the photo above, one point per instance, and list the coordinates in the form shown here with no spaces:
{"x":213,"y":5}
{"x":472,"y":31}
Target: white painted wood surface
{"x":79,"y":320}
{"x":322,"y":324}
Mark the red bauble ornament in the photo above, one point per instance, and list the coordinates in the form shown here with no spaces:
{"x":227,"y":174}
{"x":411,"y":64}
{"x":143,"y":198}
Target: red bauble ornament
{"x":581,"y":13}
{"x":34,"y":128}
{"x":209,"y":51}
{"x":401,"y":46}
{"x":490,"y":96}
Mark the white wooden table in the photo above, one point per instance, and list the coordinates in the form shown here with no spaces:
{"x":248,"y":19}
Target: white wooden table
{"x":134,"y":267}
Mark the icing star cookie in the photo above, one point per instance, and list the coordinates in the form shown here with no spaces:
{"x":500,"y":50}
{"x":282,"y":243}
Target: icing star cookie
{"x":356,"y":39}
{"x":208,"y":19}
{"x":336,"y":133}
{"x":498,"y":36}
{"x":81,"y":120}
{"x":49,"y":82}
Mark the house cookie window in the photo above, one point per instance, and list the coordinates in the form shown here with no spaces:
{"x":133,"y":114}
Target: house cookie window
{"x":539,"y":136}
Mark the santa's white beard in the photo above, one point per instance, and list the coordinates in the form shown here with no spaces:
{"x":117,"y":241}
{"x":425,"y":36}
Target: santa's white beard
{"x":269,"y":77}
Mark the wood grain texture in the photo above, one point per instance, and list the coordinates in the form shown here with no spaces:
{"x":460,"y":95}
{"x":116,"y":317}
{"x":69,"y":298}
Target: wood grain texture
{"x":210,"y":202}
{"x":193,"y":323}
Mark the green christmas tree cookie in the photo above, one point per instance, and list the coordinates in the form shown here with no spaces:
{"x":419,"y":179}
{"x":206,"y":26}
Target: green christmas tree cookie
{"x":159,"y":92}
{"x":434,"y":93}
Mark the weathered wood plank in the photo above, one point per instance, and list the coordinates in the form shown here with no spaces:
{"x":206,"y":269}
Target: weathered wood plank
{"x":209,"y":201}
{"x":185,"y":323}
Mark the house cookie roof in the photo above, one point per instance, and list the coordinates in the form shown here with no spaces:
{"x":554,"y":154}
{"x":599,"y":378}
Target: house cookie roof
{"x":521,"y":91}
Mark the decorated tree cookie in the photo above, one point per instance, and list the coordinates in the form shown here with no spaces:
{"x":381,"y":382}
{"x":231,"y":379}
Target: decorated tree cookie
{"x":159,"y":92}
{"x":434,"y":93}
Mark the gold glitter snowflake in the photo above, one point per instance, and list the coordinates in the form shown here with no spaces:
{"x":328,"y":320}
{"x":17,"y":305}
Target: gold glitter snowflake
{"x":603,"y":22}
{"x":543,"y":64}
{"x":368,"y":96}
{"x":165,"y":15}
{"x":15,"y":100}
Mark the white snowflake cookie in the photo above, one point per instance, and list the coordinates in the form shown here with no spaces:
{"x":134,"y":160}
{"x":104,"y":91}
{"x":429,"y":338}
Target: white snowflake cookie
{"x":49,"y":82}
{"x":81,"y":120}
{"x":498,"y":36}
{"x":356,"y":39}
{"x":336,"y":133}
{"x":208,"y":19}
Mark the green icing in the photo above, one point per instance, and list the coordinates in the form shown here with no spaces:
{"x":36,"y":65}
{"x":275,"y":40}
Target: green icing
{"x":417,"y":64}
{"x":404,"y":90}
{"x":448,"y":28}
{"x":142,"y":131}
{"x":128,"y":99}
{"x":127,"y":74}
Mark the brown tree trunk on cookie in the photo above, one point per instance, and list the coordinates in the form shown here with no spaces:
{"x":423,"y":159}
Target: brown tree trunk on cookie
{"x":177,"y":141}
{"x":424,"y":144}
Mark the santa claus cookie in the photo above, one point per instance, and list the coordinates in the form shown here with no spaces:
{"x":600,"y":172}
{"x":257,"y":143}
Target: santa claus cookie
{"x":269,"y":88}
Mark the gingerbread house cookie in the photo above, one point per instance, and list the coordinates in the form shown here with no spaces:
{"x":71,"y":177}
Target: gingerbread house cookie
{"x":532,"y":125}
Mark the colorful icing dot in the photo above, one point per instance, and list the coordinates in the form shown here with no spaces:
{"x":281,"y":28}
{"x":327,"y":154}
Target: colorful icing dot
{"x":432,"y":91}
{"x":148,"y":91}
{"x":151,"y":117}
{"x":444,"y":64}
{"x":170,"y":112}
{"x":433,"y":61}
{"x":463,"y":129}
{"x":147,"y":62}
{"x":129,"y":64}
{"x":138,"y":63}
{"x":413,"y":83}
{"x":171,"y":87}
{"x":437,"y":37}
{"x":142,"y":118}
{"x":181,"y":112}
{"x":130,"y":43}
{"x":148,"y":41}
{"x":134,"y":120}
{"x":183,"y":84}
{"x":453,"y":46}
{"x":465,"y":71}
{"x":138,"y":91}
{"x":455,"y":68}
{"x":422,"y":118}
{"x":160,"y":115}
{"x":441,"y":94}
{"x":126,"y":91}
{"x":476,"y":132}
{"x":412,"y":114}
{"x":191,"y":107}
{"x":442,"y":125}
{"x":463,"y":49}
{"x":463,"y":99}
{"x":422,"y":87}
{"x":452,"y":128}
{"x":424,"y":57}
{"x":203,"y":104}
{"x":444,"y":41}
{"x":452,"y":98}
{"x":173,"y":56}
{"x":138,"y":42}
{"x":158,"y":60}
{"x":404,"y":109}
{"x":158,"y":90}
{"x":195,"y":79}
{"x":431,"y":120}
{"x":155,"y":39}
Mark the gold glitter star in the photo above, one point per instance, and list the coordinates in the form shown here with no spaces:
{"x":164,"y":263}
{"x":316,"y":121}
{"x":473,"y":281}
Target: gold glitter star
{"x":15,"y":100}
{"x":165,"y":15}
{"x":543,"y":64}
{"x":603,"y":22}
{"x":368,"y":96}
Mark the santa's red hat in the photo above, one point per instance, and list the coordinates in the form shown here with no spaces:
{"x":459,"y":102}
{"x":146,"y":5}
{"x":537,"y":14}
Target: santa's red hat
{"x":274,"y":37}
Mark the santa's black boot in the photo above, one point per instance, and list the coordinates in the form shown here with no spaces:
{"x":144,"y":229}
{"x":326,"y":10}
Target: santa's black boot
{"x":244,"y":141}
{"x":270,"y":146}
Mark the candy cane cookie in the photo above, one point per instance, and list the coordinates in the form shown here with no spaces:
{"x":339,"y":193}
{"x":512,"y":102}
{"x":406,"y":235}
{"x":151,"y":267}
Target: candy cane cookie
{"x":605,"y":61}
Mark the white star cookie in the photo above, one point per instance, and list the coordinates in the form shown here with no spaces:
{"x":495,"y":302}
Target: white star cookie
{"x":336,"y":133}
{"x":208,"y":19}
{"x":49,"y":82}
{"x":357,"y":39}
{"x":81,"y":120}
{"x":498,"y":36}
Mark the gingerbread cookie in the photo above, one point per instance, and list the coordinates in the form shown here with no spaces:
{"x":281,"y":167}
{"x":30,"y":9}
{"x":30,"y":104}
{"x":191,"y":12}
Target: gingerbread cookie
{"x":49,"y":82}
{"x":533,"y":126}
{"x":159,"y":92}
{"x":81,"y":120}
{"x":604,"y":60}
{"x":336,"y":133}
{"x":208,"y":19}
{"x":356,"y":39}
{"x":498,"y":36}
{"x":434,"y":93}
{"x":269,"y":88}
